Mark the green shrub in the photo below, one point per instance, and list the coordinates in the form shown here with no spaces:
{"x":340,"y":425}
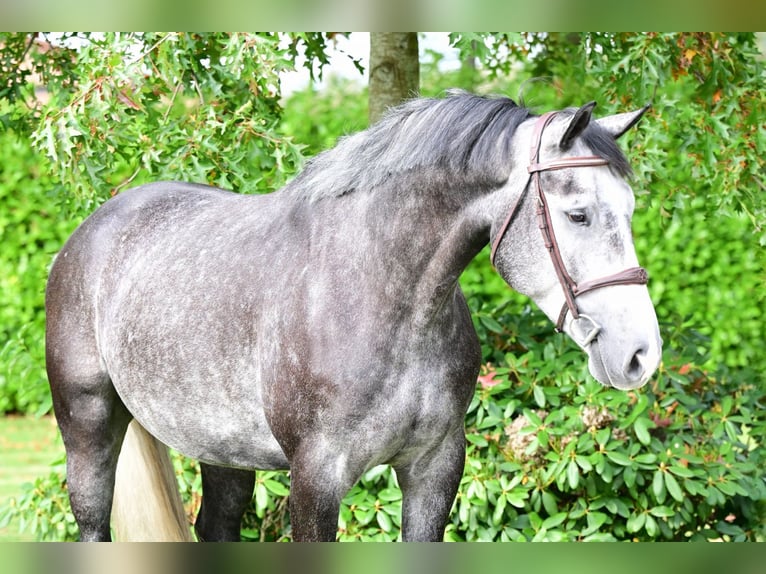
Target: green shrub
{"x":310,"y":117}
{"x":32,"y":230}
{"x":43,"y":508}
{"x":710,"y":275}
{"x":554,"y":458}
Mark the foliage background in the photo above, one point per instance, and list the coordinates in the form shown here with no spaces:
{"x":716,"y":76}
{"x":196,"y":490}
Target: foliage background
{"x":552,"y":455}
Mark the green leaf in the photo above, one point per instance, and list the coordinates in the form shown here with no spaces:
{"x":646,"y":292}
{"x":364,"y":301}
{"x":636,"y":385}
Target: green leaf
{"x":646,"y":458}
{"x":276,"y":487}
{"x":650,"y":525}
{"x":658,"y":486}
{"x":584,"y":463}
{"x":499,"y":510}
{"x":673,"y":488}
{"x":539,"y":395}
{"x":364,"y":515}
{"x":639,"y":408}
{"x":573,"y":474}
{"x":714,"y":496}
{"x":726,"y":404}
{"x":517,"y":497}
{"x":728,"y":488}
{"x":491,"y":324}
{"x":622,"y":508}
{"x":629,"y":475}
{"x":662,"y":511}
{"x":390,"y":494}
{"x":549,"y":503}
{"x":695,"y":488}
{"x":595,"y":520}
{"x":476,"y":439}
{"x":729,"y":529}
{"x":642,"y":426}
{"x":619,"y":458}
{"x":384,"y":520}
{"x":635,"y":522}
{"x":600,"y":537}
{"x":477,"y":490}
{"x":261,"y":496}
{"x":553,"y":521}
{"x":605,"y":470}
{"x":731,"y":431}
{"x":681,"y":471}
{"x":533,"y":418}
{"x":602,"y":435}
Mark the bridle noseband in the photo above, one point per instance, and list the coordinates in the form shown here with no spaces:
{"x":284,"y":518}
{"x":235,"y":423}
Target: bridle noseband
{"x":581,"y":332}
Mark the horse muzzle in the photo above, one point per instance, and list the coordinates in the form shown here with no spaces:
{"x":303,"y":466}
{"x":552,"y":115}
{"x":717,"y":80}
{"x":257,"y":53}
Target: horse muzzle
{"x":628,"y":369}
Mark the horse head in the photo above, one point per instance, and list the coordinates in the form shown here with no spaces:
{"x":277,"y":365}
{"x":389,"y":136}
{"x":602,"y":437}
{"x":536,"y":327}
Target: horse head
{"x":581,"y":267}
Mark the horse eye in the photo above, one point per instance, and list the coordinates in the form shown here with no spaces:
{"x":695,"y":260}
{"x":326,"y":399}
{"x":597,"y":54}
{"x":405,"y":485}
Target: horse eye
{"x":578,"y":217}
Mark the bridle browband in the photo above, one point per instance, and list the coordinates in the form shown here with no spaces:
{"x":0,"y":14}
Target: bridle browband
{"x":631,"y":276}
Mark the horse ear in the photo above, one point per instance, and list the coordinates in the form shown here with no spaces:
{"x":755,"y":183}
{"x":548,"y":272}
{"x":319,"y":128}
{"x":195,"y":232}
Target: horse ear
{"x":577,"y":125}
{"x":618,"y":124}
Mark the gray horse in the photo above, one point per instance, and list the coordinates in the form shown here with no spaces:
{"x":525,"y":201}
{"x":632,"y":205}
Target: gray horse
{"x":321,"y":328}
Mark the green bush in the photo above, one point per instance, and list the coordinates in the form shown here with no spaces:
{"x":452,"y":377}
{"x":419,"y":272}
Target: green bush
{"x":556,"y":458}
{"x":43,"y":508}
{"x":310,"y":117}
{"x":32,"y":230}
{"x":708,"y":274}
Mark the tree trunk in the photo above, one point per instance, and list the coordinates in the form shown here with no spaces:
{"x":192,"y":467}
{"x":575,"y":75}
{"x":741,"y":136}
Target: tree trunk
{"x":469,"y":72}
{"x":394,"y":70}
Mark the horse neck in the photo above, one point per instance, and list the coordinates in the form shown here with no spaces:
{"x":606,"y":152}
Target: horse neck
{"x":424,"y":237}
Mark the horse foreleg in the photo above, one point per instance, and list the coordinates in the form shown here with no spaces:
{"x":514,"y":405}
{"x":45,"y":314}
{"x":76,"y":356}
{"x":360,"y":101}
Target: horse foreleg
{"x":318,"y":481}
{"x":429,"y":485}
{"x":226,"y":493}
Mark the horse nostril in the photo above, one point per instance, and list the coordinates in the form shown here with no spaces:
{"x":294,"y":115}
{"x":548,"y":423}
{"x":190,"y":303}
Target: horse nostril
{"x":635,"y":367}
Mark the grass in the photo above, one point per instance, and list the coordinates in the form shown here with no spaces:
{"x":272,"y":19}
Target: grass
{"x":28,"y":447}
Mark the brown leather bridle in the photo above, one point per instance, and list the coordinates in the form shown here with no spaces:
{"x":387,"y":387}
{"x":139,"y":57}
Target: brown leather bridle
{"x":631,"y":276}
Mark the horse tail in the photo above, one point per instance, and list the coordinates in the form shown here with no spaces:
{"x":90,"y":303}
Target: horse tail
{"x":147,"y":506}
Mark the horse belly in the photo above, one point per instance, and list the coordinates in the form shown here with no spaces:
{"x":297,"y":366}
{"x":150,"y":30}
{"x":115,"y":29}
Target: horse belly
{"x":204,"y":420}
{"x":192,"y":380}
